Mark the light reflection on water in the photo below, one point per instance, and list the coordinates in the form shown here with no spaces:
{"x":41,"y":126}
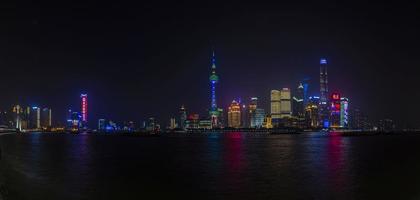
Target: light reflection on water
{"x":229,"y":165}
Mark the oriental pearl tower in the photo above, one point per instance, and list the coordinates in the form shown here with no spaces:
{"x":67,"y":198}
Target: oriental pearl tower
{"x":214,"y":79}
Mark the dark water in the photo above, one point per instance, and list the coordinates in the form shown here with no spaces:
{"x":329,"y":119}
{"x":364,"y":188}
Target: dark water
{"x":229,"y":166}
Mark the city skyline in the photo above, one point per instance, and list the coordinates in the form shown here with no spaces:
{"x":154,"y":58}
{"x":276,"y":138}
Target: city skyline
{"x":125,"y":68}
{"x":209,"y":100}
{"x":283,"y":106}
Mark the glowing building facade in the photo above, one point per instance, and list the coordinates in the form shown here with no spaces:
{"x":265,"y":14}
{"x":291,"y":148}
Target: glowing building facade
{"x":257,"y":118}
{"x":312,"y":112}
{"x":35,"y":118}
{"x":285,"y":103}
{"x":252,"y":112}
{"x":234,"y":115}
{"x":323,"y":107}
{"x":84,"y":111}
{"x":172,"y":123}
{"x":275,"y":107}
{"x":17,"y":117}
{"x":267,"y":122}
{"x":335,"y":108}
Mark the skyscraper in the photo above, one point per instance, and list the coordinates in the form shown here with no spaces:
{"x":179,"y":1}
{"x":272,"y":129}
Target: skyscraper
{"x":46,"y":118}
{"x":35,"y":118}
{"x":234,"y":115}
{"x":17,"y":117}
{"x":251,"y":112}
{"x":84,"y":111}
{"x":298,"y":102}
{"x":275,"y":107}
{"x":335,"y":107}
{"x":344,"y":113}
{"x":182,"y":117}
{"x":258,"y":118}
{"x":256,"y":115}
{"x":323,"y":80}
{"x":214,"y":79}
{"x":305,"y":91}
{"x":172,"y":123}
{"x":312,"y":112}
{"x":244,"y":116}
{"x":285,"y":103}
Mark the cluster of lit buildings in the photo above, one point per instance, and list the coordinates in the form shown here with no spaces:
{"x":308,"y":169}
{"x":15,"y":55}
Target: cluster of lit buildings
{"x":26,"y":118}
{"x":288,"y":108}
{"x":34,"y":118}
{"x":78,"y":120}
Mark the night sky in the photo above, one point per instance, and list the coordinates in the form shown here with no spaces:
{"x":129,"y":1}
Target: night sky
{"x":141,"y":60}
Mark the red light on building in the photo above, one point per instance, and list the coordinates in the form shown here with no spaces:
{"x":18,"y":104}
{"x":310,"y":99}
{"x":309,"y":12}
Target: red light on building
{"x":84,"y":107}
{"x":335,"y":96}
{"x":193,"y":117}
{"x":337,"y":106}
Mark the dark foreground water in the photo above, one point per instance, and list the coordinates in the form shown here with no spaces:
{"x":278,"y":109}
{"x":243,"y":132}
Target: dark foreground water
{"x":229,"y":166}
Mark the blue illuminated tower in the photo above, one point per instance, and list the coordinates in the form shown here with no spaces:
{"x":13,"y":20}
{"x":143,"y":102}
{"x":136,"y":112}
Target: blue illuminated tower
{"x":323,"y":101}
{"x":305,"y":91}
{"x":214,"y":79}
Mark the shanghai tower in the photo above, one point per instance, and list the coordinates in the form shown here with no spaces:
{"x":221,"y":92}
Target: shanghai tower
{"x":323,"y":80}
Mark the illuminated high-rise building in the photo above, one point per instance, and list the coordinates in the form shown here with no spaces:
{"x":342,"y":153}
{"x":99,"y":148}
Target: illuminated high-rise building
{"x":305,"y":91}
{"x":251,"y":111}
{"x":25,"y":118}
{"x":253,"y":103}
{"x":312,"y":112}
{"x":214,"y":79}
{"x":75,"y":121}
{"x":172,"y":123}
{"x":256,"y":115}
{"x":244,"y":115}
{"x":258,"y":118}
{"x":344,"y":112}
{"x":267,"y":122}
{"x":182,"y":117}
{"x":35,"y":118}
{"x":234,"y":115}
{"x":324,"y":105}
{"x":46,"y":118}
{"x":285,"y":103}
{"x":275,"y":107}
{"x":17,"y":116}
{"x":84,"y":111}
{"x":335,"y":108}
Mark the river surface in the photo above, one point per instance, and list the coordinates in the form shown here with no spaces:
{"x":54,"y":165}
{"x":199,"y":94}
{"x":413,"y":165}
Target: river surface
{"x":215,"y":166}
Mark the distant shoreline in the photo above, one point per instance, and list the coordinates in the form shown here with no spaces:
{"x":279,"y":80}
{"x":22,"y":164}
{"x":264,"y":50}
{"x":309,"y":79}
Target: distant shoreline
{"x":206,"y":133}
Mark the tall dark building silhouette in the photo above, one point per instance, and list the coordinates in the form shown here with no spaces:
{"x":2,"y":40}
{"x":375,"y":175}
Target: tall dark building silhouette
{"x":323,"y":87}
{"x":182,"y":117}
{"x":298,"y":109}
